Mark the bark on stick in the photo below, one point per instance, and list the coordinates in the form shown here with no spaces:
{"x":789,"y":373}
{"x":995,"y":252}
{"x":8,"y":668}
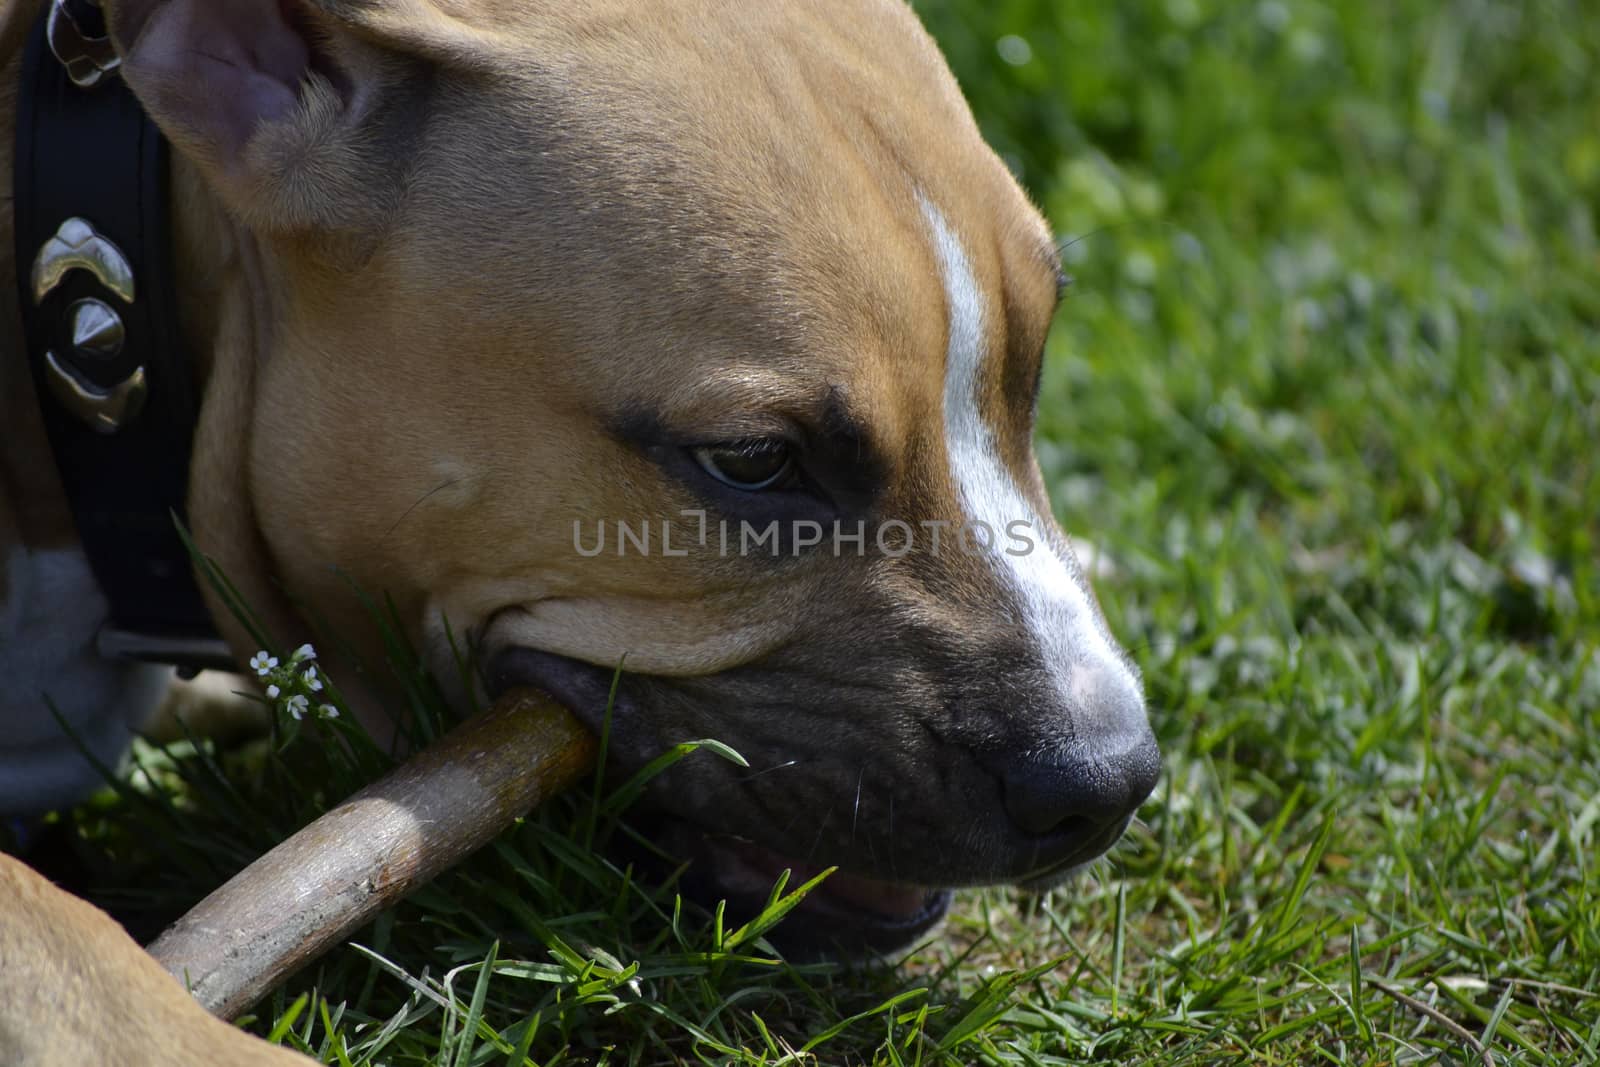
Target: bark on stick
{"x":319,"y":886}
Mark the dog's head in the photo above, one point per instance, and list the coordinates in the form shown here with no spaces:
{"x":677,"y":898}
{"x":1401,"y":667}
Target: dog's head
{"x":699,"y":338}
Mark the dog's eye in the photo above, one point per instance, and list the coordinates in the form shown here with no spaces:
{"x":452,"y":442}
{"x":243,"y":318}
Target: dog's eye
{"x":760,"y":463}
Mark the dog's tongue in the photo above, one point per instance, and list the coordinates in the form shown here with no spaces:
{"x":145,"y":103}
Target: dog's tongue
{"x":885,"y":898}
{"x":745,"y":865}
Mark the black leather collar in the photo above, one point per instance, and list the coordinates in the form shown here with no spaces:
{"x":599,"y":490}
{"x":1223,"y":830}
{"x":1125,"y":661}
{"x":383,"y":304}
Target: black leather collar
{"x":100,"y":320}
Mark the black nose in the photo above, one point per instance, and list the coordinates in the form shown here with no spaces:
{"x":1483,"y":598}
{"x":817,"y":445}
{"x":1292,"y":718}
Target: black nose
{"x":1092,"y":790}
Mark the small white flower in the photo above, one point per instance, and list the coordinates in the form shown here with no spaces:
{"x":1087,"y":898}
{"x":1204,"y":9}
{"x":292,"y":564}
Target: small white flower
{"x":328,"y":711}
{"x":261,"y":663}
{"x":273,"y":691}
{"x":313,"y":683}
{"x":305,"y":652}
{"x":296,"y":706}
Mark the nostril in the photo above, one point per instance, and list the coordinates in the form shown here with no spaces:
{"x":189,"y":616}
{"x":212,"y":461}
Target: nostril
{"x":1093,"y":790}
{"x":1041,"y":798}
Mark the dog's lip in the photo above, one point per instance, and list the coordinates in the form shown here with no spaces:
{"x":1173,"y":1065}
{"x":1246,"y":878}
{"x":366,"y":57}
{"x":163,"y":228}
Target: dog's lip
{"x":847,"y":917}
{"x":847,"y":913}
{"x":560,"y":677}
{"x":744,"y":868}
{"x":1053,"y":873}
{"x":584,"y":689}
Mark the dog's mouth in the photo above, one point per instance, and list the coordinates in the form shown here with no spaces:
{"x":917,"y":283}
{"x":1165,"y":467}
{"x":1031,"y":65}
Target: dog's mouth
{"x":846,"y":916}
{"x":849,"y":915}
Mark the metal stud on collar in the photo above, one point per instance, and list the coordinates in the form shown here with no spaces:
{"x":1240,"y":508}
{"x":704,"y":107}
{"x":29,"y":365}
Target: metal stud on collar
{"x":78,"y":245}
{"x":76,"y":33}
{"x":96,"y":329}
{"x":106,"y":410}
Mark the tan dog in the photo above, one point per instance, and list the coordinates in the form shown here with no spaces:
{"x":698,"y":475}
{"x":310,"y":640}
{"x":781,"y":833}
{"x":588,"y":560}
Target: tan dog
{"x":475,"y":282}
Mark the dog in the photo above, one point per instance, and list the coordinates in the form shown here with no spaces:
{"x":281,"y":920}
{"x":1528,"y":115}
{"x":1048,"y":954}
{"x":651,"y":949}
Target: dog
{"x":470,"y":284}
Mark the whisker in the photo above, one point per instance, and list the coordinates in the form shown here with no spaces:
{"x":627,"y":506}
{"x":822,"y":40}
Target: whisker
{"x":855,"y":813}
{"x":447,"y":483}
{"x":775,"y":767}
{"x":736,"y":783}
{"x":827,"y":816}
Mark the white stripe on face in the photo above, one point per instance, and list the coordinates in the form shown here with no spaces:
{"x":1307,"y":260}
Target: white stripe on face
{"x":1091,"y":678}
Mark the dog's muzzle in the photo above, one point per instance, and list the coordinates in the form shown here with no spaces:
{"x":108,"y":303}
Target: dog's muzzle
{"x":1003,"y":818}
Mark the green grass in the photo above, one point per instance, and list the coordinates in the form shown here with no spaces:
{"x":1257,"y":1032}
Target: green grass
{"x":1326,"y":394}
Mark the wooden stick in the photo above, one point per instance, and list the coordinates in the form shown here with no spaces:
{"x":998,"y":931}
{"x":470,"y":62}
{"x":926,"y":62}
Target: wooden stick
{"x":316,"y":888}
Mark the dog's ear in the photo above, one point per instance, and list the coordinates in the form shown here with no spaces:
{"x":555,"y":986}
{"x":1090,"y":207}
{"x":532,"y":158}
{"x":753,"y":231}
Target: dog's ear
{"x":290,"y":110}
